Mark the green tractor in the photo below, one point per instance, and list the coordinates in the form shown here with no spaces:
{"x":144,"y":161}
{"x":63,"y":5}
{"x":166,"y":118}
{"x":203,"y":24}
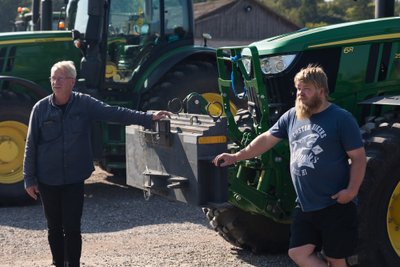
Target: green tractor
{"x":138,"y":54}
{"x":362,"y":61}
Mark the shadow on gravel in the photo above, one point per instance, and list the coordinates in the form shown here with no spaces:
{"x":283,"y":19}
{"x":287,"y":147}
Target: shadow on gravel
{"x":115,"y":207}
{"x":263,"y":259}
{"x":109,"y":206}
{"x":27,"y":217}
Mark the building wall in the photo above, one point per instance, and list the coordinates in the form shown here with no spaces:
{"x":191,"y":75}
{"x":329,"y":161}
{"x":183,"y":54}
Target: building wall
{"x":241,"y":24}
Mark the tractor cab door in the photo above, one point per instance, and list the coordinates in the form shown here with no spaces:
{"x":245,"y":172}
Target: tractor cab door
{"x":139,"y":29}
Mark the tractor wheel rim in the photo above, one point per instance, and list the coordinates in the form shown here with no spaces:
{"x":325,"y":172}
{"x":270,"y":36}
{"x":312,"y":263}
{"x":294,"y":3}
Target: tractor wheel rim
{"x":216,"y":109}
{"x":12,"y":147}
{"x":393,"y":219}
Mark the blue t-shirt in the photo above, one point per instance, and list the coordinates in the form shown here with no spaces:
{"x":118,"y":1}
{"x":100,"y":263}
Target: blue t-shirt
{"x":319,"y":164}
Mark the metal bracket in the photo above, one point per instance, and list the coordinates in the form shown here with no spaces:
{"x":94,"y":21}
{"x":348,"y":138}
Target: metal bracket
{"x":160,"y":133}
{"x":160,"y":180}
{"x":177,"y":182}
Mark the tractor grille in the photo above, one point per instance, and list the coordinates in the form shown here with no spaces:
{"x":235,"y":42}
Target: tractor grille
{"x":280,"y":87}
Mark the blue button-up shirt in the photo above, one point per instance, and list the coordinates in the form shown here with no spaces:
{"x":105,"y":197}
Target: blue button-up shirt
{"x":58,"y":146}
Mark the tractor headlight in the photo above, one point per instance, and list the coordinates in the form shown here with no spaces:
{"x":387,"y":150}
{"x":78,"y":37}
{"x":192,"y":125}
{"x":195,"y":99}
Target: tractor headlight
{"x":276,"y":64}
{"x":247,"y":64}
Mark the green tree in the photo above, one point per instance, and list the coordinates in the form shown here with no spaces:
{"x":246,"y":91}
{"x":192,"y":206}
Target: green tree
{"x":308,"y":11}
{"x":397,"y":8}
{"x":288,"y":4}
{"x":322,"y":12}
{"x":362,"y":9}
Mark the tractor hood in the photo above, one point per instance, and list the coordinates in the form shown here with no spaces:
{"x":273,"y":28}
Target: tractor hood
{"x":11,"y":38}
{"x":339,"y":34}
{"x":30,"y":55}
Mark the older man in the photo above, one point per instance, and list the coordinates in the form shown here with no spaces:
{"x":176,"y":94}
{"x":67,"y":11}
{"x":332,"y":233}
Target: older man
{"x":58,"y":156}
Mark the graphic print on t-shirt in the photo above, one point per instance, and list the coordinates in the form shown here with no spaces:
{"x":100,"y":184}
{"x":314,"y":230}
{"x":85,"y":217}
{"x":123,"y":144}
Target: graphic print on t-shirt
{"x":304,"y":150}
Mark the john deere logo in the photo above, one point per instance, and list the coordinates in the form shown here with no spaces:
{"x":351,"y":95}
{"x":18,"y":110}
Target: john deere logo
{"x":397,"y":56}
{"x":347,"y":50}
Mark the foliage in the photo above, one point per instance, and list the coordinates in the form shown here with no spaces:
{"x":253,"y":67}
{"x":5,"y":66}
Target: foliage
{"x":301,"y":12}
{"x":324,"y":12}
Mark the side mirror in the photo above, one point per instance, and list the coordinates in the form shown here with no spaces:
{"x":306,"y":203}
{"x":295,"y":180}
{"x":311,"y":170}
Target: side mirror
{"x":206,"y":36}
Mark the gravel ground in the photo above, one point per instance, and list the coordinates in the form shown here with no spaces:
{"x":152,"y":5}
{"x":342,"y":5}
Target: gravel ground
{"x":120,"y":228}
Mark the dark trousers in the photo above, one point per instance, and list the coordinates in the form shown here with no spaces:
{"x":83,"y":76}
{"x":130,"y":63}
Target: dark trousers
{"x":63,"y":207}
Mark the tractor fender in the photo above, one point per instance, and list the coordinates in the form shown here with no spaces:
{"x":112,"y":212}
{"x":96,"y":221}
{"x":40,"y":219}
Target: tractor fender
{"x":392,"y":100}
{"x":30,"y":86}
{"x":203,"y":53}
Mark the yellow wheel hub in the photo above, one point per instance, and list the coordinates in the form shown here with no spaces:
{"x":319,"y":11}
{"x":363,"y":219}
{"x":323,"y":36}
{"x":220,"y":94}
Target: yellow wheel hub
{"x":393,"y":219}
{"x":217,"y":108}
{"x":12,"y":147}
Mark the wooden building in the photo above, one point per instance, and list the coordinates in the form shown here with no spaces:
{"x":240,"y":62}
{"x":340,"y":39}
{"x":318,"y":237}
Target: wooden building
{"x":237,"y":22}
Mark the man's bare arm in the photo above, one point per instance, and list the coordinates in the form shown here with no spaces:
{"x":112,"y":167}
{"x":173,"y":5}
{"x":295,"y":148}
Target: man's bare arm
{"x":357,"y":173}
{"x":258,"y":146}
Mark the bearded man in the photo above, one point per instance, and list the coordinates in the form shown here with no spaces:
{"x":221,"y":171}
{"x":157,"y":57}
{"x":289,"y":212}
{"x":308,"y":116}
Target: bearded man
{"x":327,"y":166}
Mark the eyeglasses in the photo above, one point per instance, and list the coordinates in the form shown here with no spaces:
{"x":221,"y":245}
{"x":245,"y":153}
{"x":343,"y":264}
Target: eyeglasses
{"x":61,"y":79}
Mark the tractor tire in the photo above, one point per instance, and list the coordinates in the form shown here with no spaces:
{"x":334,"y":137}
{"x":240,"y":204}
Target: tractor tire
{"x":248,"y":231}
{"x":379,"y":197}
{"x":191,"y":76}
{"x":14,"y":113}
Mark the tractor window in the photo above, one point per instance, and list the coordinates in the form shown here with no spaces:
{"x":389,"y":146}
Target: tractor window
{"x":134,"y":28}
{"x":127,"y":17}
{"x":176,"y":19}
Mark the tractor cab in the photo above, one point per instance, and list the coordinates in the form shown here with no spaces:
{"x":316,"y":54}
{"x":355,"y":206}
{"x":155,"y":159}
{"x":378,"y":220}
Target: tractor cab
{"x":117,"y":40}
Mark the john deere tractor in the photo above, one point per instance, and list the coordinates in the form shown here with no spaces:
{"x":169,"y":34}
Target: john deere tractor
{"x":362,"y":61}
{"x":250,"y":204}
{"x":138,"y":54}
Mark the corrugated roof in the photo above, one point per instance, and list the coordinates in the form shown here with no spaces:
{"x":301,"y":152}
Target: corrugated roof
{"x":204,"y":9}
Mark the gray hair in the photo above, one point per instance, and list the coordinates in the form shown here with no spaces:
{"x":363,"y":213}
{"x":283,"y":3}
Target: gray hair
{"x":67,"y":66}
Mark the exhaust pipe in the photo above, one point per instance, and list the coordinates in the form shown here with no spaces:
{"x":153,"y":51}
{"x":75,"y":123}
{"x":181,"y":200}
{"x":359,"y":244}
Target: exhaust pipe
{"x":384,"y":8}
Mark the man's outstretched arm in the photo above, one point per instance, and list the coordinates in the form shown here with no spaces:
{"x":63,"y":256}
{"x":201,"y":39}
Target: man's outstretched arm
{"x":258,"y":146}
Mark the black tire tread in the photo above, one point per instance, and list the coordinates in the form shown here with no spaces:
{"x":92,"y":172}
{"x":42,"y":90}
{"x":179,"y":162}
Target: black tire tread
{"x":182,"y":79}
{"x":248,"y":231}
{"x":382,"y":145}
